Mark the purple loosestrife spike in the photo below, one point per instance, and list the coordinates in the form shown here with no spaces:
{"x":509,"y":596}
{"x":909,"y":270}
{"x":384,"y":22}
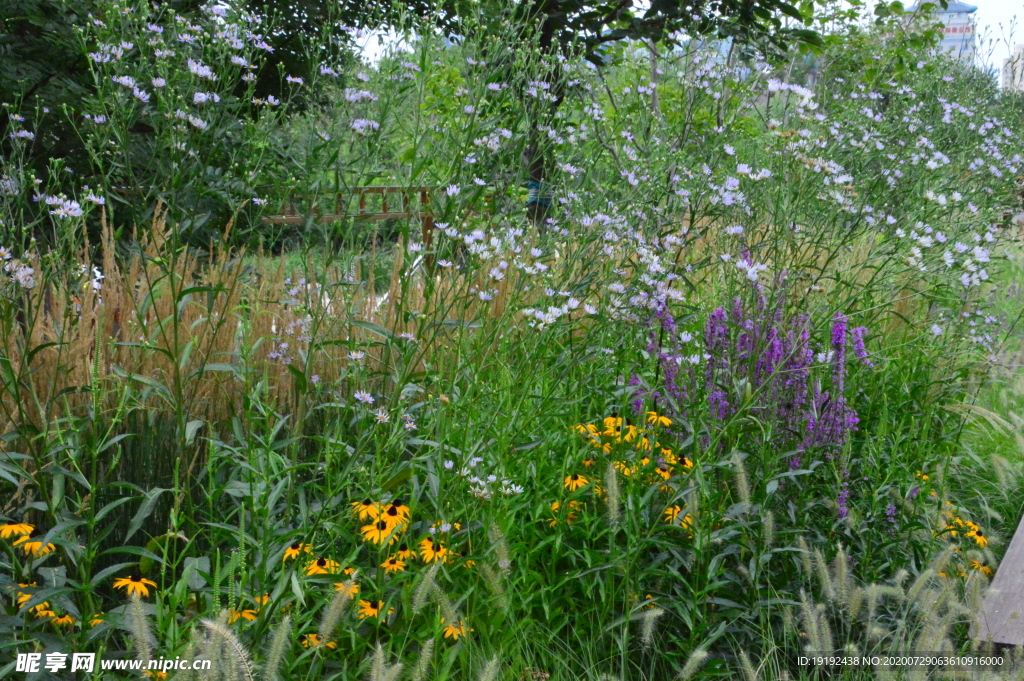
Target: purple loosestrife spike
{"x":716,"y":342}
{"x":638,"y":401}
{"x":858,"y":345}
{"x":843,"y":501}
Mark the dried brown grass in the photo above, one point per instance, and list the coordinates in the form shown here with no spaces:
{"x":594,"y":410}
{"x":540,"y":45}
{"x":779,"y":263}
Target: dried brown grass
{"x":193,"y":332}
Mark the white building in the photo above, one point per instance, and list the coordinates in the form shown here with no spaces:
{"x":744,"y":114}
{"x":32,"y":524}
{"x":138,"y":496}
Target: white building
{"x":1013,"y":70}
{"x":957,"y":28}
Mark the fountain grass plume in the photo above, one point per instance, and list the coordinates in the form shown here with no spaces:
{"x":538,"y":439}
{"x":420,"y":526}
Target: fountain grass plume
{"x":611,"y":477}
{"x":335,"y":610}
{"x":692,"y":665}
{"x":277,"y":647}
{"x":140,"y":632}
{"x":648,"y":622}
{"x":424,"y":590}
{"x":380,"y":670}
{"x":749,"y":673}
{"x":423,"y":661}
{"x":490,"y":670}
{"x":235,"y":652}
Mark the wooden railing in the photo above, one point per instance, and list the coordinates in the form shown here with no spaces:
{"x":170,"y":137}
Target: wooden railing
{"x":400,"y":206}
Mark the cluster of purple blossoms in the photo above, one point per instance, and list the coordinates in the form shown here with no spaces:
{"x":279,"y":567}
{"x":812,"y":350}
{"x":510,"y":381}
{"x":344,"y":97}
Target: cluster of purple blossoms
{"x":800,"y":394}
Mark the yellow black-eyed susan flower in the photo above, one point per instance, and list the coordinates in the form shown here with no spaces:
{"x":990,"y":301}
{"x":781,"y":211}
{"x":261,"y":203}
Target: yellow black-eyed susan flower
{"x":981,"y":567}
{"x":400,"y":507}
{"x":392,"y":516}
{"x":63,"y":620}
{"x":570,"y":516}
{"x":21,"y":598}
{"x":313,"y":641}
{"x":379,"y":532}
{"x":455,"y":630}
{"x":371,"y":609}
{"x":34,"y":547}
{"x":587,"y":463}
{"x":656,"y":419}
{"x":672,"y":514}
{"x":366,"y":509}
{"x":96,"y":619}
{"x":295,"y":550}
{"x":248,"y":615}
{"x":404,"y":552}
{"x":574,"y":482}
{"x":134,"y":584}
{"x":160,"y":676}
{"x":322,"y":566}
{"x":663,"y":470}
{"x":432,"y":551}
{"x":16,"y":530}
{"x":624,"y":468}
{"x":393,"y":564}
{"x":612,"y":425}
{"x":979,"y":538}
{"x":262,"y":600}
{"x":350,"y":587}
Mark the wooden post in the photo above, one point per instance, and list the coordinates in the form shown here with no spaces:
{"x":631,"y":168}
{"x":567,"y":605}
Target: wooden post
{"x":427,"y":237}
{"x":1001,"y":620}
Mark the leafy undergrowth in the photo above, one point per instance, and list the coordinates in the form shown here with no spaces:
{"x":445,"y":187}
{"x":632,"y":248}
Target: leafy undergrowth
{"x":744,"y":390}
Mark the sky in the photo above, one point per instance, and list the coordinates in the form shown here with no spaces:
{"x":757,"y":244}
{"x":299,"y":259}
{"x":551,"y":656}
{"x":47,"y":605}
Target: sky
{"x":997,"y":29}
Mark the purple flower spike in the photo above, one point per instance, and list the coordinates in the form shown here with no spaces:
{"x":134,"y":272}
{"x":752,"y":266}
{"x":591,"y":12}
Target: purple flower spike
{"x":858,"y":345}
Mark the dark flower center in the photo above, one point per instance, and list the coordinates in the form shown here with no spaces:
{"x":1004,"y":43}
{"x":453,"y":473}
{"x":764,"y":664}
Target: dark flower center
{"x":295,"y":547}
{"x":135,"y":578}
{"x":367,"y":502}
{"x":381,"y":525}
{"x":392,"y":511}
{"x":321,"y":562}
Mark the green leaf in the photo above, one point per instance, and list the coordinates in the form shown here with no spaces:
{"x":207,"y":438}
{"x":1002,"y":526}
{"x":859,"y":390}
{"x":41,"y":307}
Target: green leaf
{"x":60,"y":528}
{"x":106,"y":572}
{"x":144,"y":511}
{"x":135,"y":551}
{"x":191,"y":428}
{"x":297,"y":589}
{"x":300,"y":378}
{"x":399,"y":479}
{"x":374,"y":328}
